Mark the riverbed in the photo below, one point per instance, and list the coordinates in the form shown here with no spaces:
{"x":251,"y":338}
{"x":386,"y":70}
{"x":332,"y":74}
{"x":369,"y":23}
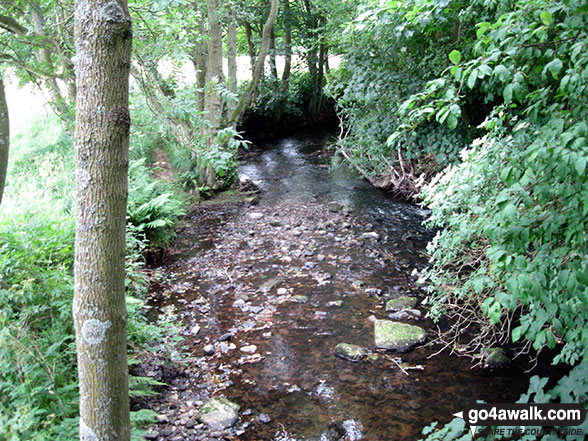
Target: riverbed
{"x":264,"y":290}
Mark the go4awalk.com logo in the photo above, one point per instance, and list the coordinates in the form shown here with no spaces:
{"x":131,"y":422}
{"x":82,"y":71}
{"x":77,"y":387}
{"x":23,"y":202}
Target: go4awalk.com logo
{"x":522,"y":416}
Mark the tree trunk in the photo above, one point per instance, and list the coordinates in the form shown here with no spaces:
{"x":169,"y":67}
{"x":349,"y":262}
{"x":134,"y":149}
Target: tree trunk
{"x":288,"y":41}
{"x":272,"y":55}
{"x":232,"y":55}
{"x":103,"y":53}
{"x":251,"y":92}
{"x":43,"y":55}
{"x":201,"y":63}
{"x":250,"y":46}
{"x":4,"y":139}
{"x":214,"y":74}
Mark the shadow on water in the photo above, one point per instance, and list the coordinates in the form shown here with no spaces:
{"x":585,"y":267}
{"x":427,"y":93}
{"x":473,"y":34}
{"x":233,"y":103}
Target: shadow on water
{"x":341,"y":279}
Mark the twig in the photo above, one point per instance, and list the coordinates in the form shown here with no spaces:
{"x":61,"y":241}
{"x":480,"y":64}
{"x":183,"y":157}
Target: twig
{"x":398,"y":364}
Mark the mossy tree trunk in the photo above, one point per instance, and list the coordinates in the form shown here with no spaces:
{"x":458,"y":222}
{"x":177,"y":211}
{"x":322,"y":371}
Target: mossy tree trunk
{"x":4,"y":138}
{"x":103,"y":52}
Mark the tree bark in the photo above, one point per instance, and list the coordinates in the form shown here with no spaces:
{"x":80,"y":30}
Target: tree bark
{"x":288,"y":42}
{"x":103,"y":53}
{"x":232,"y":55}
{"x":201,"y":62}
{"x":4,"y":138}
{"x":272,"y":55}
{"x":214,"y":74}
{"x":251,"y":92}
{"x":250,"y":46}
{"x":43,"y":55}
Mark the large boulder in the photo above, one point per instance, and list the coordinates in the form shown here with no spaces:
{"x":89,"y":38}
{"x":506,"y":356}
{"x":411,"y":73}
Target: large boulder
{"x":219,"y":413}
{"x":398,"y":337}
{"x":350,"y":352}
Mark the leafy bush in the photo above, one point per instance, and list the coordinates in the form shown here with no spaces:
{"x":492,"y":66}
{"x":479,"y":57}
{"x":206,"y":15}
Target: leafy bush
{"x":391,"y":52}
{"x":515,"y":210}
{"x":278,"y":104}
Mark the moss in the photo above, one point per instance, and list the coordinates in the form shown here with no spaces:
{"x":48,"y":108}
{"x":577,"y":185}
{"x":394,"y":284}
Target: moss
{"x":397,"y":336}
{"x":400,"y":303}
{"x":350,"y":352}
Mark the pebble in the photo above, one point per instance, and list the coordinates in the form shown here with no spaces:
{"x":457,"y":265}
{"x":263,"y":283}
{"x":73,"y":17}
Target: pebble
{"x":226,"y":336}
{"x":162,"y":418}
{"x":255,"y":216}
{"x":282,"y":291}
{"x":239,"y":303}
{"x":264,"y":418}
{"x":208,"y":349}
{"x":195,"y":330}
{"x":249,"y":349}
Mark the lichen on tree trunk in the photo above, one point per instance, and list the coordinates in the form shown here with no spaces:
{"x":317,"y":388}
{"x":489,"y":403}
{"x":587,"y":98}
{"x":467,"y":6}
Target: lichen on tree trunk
{"x":103,"y":50}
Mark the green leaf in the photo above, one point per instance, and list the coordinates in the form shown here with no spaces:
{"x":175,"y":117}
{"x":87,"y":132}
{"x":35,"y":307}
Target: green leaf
{"x":554,"y":67}
{"x":502,"y":73}
{"x":452,"y":121}
{"x":494,"y":312}
{"x":455,"y":57}
{"x":482,"y":28}
{"x":517,"y":333}
{"x":508,"y":93}
{"x":472,"y":78}
{"x":546,"y":18}
{"x":581,"y":165}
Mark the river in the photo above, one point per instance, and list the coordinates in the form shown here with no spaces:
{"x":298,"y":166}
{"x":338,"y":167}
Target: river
{"x":273,"y":287}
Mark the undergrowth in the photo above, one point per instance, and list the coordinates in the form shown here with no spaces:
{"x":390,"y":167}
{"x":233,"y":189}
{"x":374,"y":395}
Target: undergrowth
{"x":38,"y":375}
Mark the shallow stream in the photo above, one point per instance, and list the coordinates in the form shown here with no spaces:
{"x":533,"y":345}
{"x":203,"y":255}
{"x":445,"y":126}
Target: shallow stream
{"x":274,"y":287}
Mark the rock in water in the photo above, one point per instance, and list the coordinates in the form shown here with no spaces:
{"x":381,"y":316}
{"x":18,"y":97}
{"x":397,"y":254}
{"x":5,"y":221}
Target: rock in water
{"x":405,"y":314}
{"x":350,"y":352}
{"x":334,"y":207}
{"x":400,"y":303}
{"x":218,"y":413}
{"x":398,"y":337}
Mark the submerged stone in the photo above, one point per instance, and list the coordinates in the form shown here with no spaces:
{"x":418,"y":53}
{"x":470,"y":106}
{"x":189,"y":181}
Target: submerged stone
{"x":270,"y":284}
{"x":350,"y":352}
{"x":334,"y":207}
{"x":400,"y":303}
{"x":398,"y":337}
{"x":405,"y":314}
{"x":299,"y":299}
{"x":219,"y":413}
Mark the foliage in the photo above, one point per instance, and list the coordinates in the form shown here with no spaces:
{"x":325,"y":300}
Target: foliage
{"x":153,"y":208}
{"x":391,"y":51}
{"x":514,"y":210}
{"x":277,"y":104}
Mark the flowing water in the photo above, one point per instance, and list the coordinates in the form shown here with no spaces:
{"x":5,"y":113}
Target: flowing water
{"x":239,"y":273}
